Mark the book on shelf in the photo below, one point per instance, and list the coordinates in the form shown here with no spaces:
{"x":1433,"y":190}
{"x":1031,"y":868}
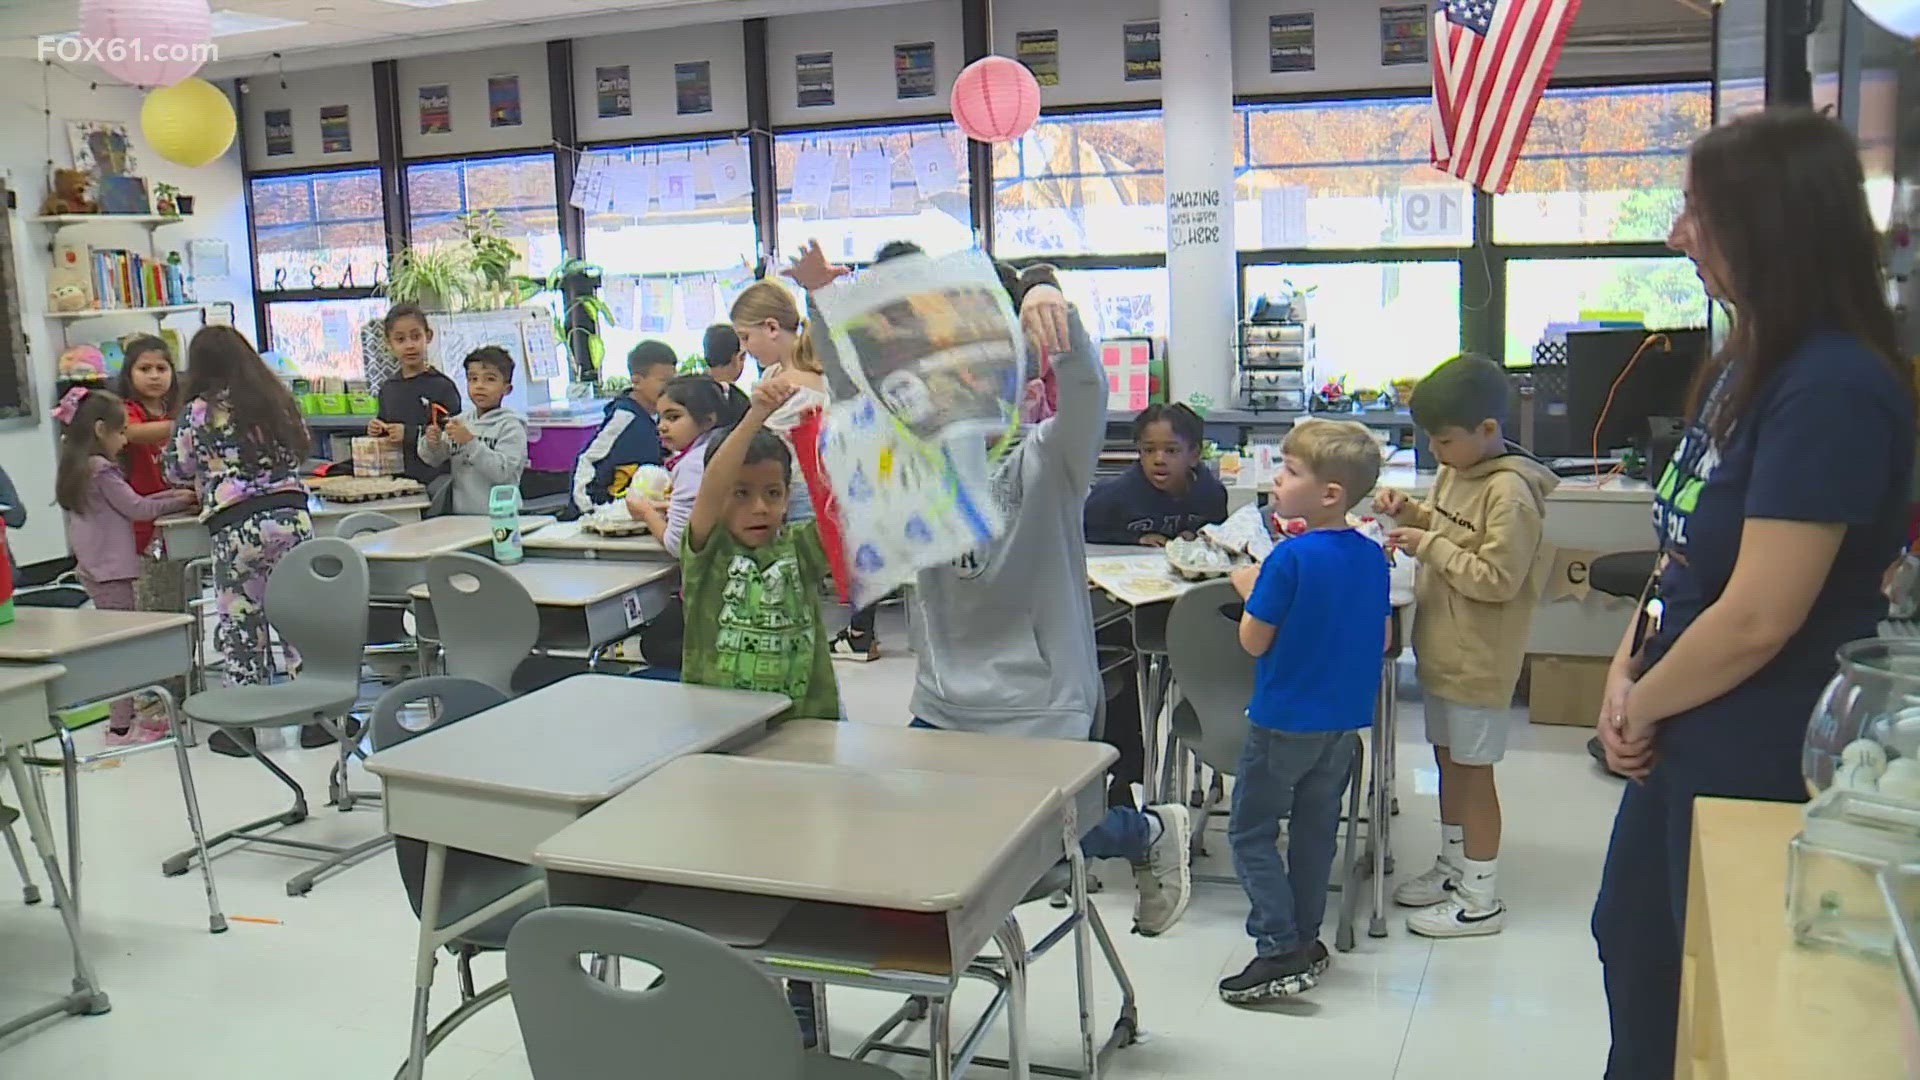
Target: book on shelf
{"x":128,"y":279}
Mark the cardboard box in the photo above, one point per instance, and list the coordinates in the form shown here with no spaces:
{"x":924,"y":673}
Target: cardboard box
{"x":1566,"y":690}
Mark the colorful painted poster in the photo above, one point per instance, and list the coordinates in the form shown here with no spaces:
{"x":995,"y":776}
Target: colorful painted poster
{"x":913,"y":70}
{"x":1142,"y":50}
{"x":336,"y":133}
{"x":101,"y":147}
{"x":436,"y":110}
{"x":613,"y":87}
{"x":813,"y":80}
{"x":503,"y":101}
{"x":279,"y":132}
{"x":693,"y":87}
{"x":656,"y":304}
{"x":1040,"y":51}
{"x":1403,"y":35}
{"x":1290,"y":42}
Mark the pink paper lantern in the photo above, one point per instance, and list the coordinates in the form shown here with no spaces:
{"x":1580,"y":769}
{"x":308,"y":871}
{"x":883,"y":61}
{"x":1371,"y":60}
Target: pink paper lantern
{"x":996,"y":99}
{"x":151,"y":43}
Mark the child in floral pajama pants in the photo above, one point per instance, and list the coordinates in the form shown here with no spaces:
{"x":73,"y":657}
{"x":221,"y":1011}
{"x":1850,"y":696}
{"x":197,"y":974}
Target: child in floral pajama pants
{"x":244,"y":555}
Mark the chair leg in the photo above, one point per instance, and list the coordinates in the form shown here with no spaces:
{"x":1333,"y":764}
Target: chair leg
{"x":464,"y":968}
{"x":216,"y":919}
{"x":29,"y":892}
{"x":1350,"y":855}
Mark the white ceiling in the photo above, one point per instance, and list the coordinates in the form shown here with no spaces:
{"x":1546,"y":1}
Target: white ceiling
{"x":354,"y":31}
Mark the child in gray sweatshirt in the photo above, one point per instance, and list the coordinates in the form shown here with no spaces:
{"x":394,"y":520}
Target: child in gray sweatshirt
{"x":487,"y":444}
{"x":1004,"y":636}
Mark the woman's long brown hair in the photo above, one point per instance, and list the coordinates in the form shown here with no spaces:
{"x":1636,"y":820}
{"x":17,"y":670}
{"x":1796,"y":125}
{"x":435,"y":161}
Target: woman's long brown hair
{"x":1778,"y":196}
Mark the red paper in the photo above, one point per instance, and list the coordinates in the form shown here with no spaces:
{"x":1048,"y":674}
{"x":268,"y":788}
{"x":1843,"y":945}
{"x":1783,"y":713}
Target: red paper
{"x":806,"y":447}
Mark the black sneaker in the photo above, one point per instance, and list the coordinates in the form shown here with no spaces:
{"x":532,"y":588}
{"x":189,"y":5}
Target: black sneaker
{"x":1318,"y":959}
{"x":231,"y":743}
{"x":1271,"y":978}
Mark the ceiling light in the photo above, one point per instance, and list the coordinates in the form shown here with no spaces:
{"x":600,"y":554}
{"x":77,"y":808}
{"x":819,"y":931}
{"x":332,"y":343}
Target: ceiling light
{"x":226,"y":23}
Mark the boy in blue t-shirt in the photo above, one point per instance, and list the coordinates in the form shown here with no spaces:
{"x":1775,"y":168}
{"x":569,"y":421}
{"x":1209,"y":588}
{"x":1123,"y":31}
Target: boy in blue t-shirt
{"x":1316,"y":617}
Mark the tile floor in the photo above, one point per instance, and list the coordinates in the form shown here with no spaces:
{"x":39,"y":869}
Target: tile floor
{"x":323,"y":993}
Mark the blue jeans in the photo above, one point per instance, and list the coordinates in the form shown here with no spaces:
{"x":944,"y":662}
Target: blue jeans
{"x":1298,"y":776}
{"x":1123,"y":834}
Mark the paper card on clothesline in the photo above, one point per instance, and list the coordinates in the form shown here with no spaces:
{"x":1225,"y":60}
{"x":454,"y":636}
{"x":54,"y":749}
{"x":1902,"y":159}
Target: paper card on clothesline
{"x":696,"y":300}
{"x":934,"y":340}
{"x":676,"y":186}
{"x":656,"y":304}
{"x":813,"y":181}
{"x":933,"y":167}
{"x":872,"y":180}
{"x":621,"y":294}
{"x":589,"y":183}
{"x":630,"y":185}
{"x":730,"y":171}
{"x":542,"y":348}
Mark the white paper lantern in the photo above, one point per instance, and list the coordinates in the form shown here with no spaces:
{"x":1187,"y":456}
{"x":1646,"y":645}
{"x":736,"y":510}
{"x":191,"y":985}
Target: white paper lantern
{"x":1900,"y":16}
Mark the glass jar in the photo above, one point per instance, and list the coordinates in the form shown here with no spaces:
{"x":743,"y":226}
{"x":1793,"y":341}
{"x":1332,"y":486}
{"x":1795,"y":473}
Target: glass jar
{"x":1864,"y":735}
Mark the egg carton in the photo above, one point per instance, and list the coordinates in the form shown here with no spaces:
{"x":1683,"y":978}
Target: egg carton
{"x":1198,"y":560}
{"x":353,"y":489}
{"x":613,"y":519}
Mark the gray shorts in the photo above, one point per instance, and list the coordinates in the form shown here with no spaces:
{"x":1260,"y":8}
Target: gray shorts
{"x":1472,"y":734}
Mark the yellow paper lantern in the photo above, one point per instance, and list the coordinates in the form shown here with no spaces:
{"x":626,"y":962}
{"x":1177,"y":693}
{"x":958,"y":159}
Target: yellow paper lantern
{"x":189,"y":123}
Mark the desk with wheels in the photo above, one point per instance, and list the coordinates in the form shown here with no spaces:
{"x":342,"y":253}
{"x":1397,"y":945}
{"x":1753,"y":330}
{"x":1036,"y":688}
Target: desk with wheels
{"x":107,"y":655}
{"x":502,"y":781}
{"x":397,"y":558}
{"x":847,"y":875}
{"x":23,"y":718}
{"x":571,"y":540}
{"x":585,"y":606}
{"x":1076,"y":769}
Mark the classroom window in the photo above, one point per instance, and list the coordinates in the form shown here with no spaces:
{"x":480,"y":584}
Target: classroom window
{"x":1373,"y":322}
{"x":1664,"y":292}
{"x":1123,"y":302}
{"x":518,"y":189}
{"x":1344,"y":174}
{"x":924,"y":198}
{"x":1082,"y":185}
{"x":1603,"y":165}
{"x":321,"y":338}
{"x":669,"y":269}
{"x":319,"y":230}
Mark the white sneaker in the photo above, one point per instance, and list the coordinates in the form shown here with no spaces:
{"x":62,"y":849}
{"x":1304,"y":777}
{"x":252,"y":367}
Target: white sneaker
{"x":1460,"y":915}
{"x":1430,"y":888}
{"x":1165,"y":883}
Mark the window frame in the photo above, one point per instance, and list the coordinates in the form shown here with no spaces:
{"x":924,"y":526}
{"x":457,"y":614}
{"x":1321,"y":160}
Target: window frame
{"x":770,"y":232}
{"x":264,"y":298}
{"x":561,"y":207}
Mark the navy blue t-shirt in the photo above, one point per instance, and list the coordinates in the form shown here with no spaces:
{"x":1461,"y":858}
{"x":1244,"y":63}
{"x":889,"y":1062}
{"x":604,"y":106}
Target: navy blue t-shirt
{"x":1829,"y":439}
{"x":1325,"y":595}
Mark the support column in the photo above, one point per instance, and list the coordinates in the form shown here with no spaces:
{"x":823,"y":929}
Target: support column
{"x":1196,"y":87}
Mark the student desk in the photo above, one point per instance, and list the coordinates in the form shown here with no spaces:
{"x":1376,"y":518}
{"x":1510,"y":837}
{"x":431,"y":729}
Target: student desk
{"x":1078,"y":770}
{"x":583,"y":604}
{"x":1135,"y":585}
{"x":107,"y":655}
{"x":23,"y":719}
{"x":187,"y":539}
{"x":397,"y":558}
{"x":887,"y":879}
{"x":1753,"y":1004}
{"x":568,"y":540}
{"x":502,"y":781}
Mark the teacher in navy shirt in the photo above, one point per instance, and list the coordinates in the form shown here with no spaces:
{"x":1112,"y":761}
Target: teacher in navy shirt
{"x":1784,"y":504}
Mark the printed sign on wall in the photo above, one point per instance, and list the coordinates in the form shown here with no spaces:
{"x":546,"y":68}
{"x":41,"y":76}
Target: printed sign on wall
{"x":693,"y":88}
{"x":1290,"y":42}
{"x":613,"y":87}
{"x":1142,"y":44}
{"x":503,"y":101}
{"x":813,"y":79}
{"x":1039,"y":50}
{"x":436,"y":110}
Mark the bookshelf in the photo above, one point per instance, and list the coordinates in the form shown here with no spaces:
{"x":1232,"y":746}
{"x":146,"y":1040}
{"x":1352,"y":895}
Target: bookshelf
{"x":105,"y":313}
{"x":111,"y":277}
{"x":150,"y":221}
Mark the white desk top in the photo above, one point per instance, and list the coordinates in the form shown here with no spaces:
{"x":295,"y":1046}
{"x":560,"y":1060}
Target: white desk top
{"x":1572,"y":488}
{"x":1137,"y":578}
{"x":322,"y":508}
{"x":38,"y":635}
{"x":17,"y":677}
{"x":572,"y":536}
{"x":579,"y":741}
{"x":894,"y":839}
{"x":576,"y":583}
{"x":436,"y":536}
{"x":1068,"y":765}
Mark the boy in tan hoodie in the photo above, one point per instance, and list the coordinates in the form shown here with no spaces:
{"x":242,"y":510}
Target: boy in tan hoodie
{"x":1478,"y":541}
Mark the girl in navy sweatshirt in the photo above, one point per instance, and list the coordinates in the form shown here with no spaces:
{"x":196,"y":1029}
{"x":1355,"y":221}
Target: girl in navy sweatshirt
{"x":1168,"y":495}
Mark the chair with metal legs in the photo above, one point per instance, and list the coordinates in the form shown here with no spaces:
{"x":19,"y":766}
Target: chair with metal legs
{"x":29,"y":892}
{"x":486,"y":622}
{"x":713,"y":1014}
{"x":469,"y":881}
{"x":317,"y":602}
{"x":392,"y":651}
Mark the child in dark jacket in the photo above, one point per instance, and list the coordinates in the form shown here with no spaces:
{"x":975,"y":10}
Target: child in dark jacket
{"x":1168,"y":495}
{"x":630,"y":436}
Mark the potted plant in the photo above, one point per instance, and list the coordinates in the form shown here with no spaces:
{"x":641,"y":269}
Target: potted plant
{"x":166,"y":200}
{"x":490,"y":258}
{"x":580,"y":312}
{"x":1297,"y":301}
{"x":436,"y":278}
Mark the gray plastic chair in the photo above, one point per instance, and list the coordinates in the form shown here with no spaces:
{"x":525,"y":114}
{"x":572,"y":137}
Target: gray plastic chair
{"x":486,"y":622}
{"x":712,"y":1014}
{"x":317,"y":602}
{"x":470,"y":881}
{"x":362,"y":522}
{"x":387,"y":634}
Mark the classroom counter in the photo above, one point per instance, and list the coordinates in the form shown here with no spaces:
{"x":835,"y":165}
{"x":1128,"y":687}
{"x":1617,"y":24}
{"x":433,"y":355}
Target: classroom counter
{"x":1754,"y":1005}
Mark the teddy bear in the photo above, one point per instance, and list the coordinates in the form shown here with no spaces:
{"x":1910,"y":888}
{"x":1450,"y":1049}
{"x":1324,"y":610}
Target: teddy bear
{"x":72,"y":193}
{"x":68,"y":296}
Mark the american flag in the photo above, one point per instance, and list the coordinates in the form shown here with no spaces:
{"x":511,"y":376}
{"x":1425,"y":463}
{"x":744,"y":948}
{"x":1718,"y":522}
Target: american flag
{"x":1491,"y":60}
